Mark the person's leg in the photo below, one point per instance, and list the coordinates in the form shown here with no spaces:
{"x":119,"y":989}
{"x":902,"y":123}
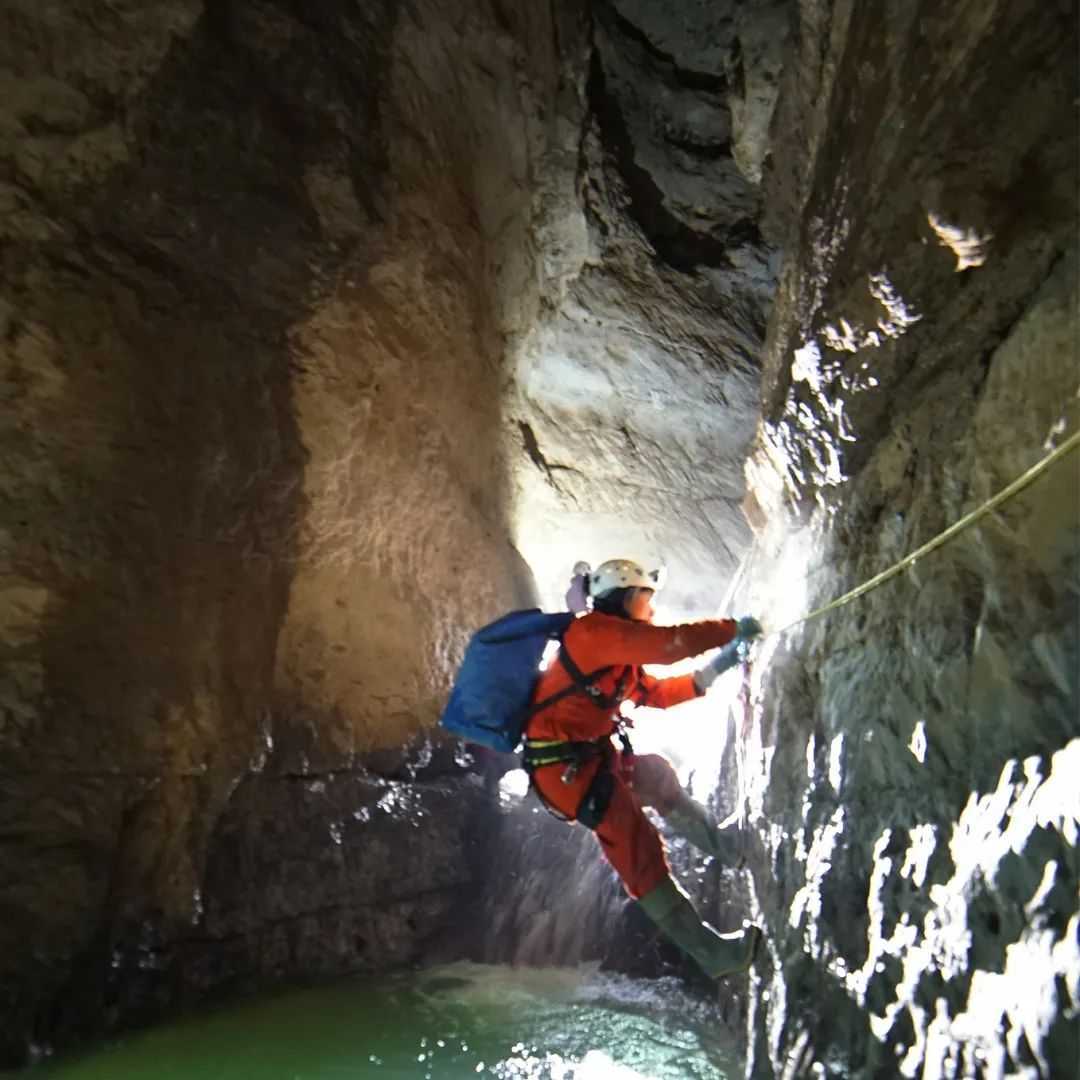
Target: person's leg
{"x":716,"y":954}
{"x":634,"y":848}
{"x":657,"y":785}
{"x":630,"y":842}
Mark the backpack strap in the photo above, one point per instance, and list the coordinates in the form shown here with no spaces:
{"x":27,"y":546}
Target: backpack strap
{"x":566,"y":691}
{"x":586,"y":683}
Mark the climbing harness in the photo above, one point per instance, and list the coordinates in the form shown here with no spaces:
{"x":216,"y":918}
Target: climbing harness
{"x":594,"y":802}
{"x":952,"y":531}
{"x":541,"y":752}
{"x":597,"y":798}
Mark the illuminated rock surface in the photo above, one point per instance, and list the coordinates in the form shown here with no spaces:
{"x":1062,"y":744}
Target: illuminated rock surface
{"x":323,"y":325}
{"x":908,"y":759}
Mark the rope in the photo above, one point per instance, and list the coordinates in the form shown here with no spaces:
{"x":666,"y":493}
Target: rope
{"x":1018,"y":485}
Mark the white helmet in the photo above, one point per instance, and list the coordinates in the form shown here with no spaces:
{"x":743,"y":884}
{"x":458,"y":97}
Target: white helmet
{"x":622,"y":574}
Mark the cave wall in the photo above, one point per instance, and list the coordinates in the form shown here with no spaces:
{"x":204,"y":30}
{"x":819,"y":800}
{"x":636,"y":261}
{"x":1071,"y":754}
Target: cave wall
{"x":637,"y":390}
{"x":312,"y":318}
{"x":909,"y":761}
{"x":259,"y":260}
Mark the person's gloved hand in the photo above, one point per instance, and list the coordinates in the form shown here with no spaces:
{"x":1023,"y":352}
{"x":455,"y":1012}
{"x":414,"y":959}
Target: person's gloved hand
{"x":712,"y":669}
{"x":748,"y":628}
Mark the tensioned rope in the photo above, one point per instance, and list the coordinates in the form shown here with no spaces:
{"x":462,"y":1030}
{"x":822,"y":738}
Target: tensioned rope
{"x":1006,"y":493}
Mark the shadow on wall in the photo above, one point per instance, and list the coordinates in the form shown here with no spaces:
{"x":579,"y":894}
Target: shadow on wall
{"x":174,"y":253}
{"x":158,"y":506}
{"x":257,"y":330}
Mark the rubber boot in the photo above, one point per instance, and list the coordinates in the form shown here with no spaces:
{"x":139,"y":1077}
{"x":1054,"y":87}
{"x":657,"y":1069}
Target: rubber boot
{"x":691,"y":821}
{"x":716,"y":954}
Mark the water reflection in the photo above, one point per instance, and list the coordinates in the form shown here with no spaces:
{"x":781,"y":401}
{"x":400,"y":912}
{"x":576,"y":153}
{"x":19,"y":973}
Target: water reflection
{"x":462,"y":1020}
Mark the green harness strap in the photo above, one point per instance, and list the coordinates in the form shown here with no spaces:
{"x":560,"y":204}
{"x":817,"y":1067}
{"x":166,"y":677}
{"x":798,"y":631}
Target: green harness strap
{"x":539,"y":752}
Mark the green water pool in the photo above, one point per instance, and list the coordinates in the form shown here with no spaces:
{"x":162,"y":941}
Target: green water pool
{"x":463,"y":1020}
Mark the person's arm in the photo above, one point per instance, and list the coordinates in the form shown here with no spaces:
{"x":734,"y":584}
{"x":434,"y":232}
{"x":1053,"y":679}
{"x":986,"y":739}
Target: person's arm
{"x":663,"y":693}
{"x":747,"y":628}
{"x":601,"y":640}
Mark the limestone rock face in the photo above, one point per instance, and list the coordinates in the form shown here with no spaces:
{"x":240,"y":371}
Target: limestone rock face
{"x":638,"y":382}
{"x":906,"y":760}
{"x":257,"y":264}
{"x":314,"y":875}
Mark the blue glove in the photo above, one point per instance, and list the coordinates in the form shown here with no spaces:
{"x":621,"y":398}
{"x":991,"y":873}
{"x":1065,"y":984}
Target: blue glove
{"x":709,"y":672}
{"x":749,"y":628}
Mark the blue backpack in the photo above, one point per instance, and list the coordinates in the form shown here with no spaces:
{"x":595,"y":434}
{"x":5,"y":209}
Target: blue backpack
{"x":490,"y":701}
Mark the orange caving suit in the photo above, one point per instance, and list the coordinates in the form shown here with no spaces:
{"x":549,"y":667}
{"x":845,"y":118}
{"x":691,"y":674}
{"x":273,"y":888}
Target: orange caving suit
{"x":628,"y":839}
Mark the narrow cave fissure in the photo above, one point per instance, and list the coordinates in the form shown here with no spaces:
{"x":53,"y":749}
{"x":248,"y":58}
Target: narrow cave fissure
{"x":681,"y":247}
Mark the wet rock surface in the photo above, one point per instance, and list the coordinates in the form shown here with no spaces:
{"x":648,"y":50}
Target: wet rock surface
{"x":257,"y":262}
{"x":310,"y":876}
{"x":638,"y":382}
{"x":907,"y":759}
{"x":550,"y":900}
